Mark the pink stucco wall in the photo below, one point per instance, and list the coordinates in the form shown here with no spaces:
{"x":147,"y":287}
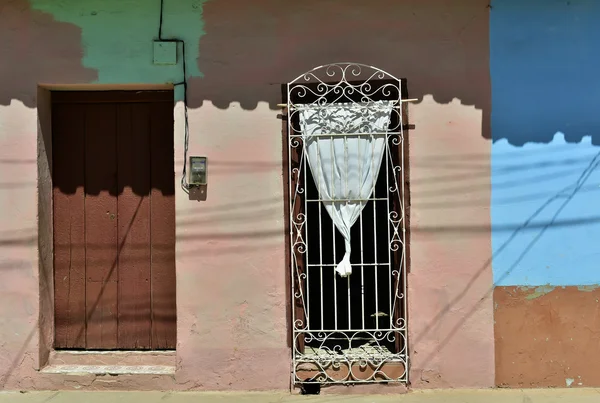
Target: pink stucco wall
{"x":231,"y":284}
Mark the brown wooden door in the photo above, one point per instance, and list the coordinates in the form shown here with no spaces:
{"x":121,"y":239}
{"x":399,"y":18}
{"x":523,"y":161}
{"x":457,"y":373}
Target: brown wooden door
{"x":114,"y":220}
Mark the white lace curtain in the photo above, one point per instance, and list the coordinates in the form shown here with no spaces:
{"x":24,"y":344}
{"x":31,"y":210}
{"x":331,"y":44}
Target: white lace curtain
{"x":345,"y":144}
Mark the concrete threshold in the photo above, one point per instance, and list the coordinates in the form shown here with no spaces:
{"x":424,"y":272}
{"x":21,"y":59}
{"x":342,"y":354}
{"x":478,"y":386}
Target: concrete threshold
{"x":431,"y":396}
{"x":109,"y":369}
{"x":111,"y":363}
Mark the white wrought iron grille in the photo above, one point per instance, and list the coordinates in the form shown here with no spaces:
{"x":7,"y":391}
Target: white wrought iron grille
{"x":347,"y":225}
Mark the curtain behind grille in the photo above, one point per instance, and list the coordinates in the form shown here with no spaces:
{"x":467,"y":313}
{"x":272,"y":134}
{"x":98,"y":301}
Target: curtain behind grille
{"x":345,"y":144}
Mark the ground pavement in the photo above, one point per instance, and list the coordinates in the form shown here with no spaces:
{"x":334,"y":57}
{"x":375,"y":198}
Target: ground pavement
{"x":436,"y":396}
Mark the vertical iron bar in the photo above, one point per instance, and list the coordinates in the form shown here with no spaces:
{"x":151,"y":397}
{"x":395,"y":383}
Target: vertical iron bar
{"x":319,"y":174}
{"x":375,"y":234}
{"x":333,"y":232}
{"x":347,"y":195}
{"x":307,"y":282}
{"x":362,"y":260}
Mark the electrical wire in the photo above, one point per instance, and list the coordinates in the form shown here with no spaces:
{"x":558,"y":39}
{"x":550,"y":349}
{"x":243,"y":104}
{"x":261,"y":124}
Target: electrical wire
{"x":160,"y":23}
{"x":184,"y":182}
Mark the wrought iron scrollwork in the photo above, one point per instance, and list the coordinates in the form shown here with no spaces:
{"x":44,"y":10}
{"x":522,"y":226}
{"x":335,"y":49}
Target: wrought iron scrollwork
{"x":342,"y":356}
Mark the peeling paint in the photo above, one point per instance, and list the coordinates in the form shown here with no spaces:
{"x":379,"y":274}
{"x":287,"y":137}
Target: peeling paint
{"x":538,"y":291}
{"x":569,"y":382}
{"x":122,"y":54}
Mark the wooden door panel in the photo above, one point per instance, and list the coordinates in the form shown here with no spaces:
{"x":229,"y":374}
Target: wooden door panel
{"x":69,"y":228}
{"x":133,"y":155}
{"x":164,"y":329}
{"x":101,"y":226}
{"x":114,"y":220}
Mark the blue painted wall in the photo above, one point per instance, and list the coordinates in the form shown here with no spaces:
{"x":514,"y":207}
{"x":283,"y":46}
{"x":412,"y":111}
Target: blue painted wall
{"x":545,"y":70}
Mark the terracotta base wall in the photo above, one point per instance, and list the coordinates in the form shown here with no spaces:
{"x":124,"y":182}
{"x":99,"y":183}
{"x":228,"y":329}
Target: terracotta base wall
{"x":547,"y":337}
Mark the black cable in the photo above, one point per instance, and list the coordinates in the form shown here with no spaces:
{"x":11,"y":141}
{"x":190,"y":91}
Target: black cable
{"x":162,"y":3}
{"x":184,"y":183}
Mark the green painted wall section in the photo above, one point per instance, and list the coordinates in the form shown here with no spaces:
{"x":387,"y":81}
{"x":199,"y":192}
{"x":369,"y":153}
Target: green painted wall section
{"x":537,"y":292}
{"x":117,"y":36}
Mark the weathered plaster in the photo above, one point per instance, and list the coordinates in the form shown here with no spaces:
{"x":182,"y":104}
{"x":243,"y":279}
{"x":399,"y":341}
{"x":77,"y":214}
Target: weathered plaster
{"x":445,"y":61}
{"x":545,"y":189}
{"x":231,"y":293}
{"x":450,"y":281}
{"x":547,"y":341}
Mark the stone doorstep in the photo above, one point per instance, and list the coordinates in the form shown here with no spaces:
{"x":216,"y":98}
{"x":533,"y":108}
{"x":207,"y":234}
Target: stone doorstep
{"x":111,"y":362}
{"x":109,"y":369}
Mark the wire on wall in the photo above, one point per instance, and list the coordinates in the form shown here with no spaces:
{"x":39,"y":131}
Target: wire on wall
{"x":184,"y":183}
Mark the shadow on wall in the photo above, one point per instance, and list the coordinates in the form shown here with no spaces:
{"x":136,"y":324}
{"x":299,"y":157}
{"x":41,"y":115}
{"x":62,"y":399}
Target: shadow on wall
{"x":514,"y":244}
{"x":568,"y":220}
{"x":544,"y":70}
{"x":37,"y":49}
{"x":251,"y":48}
{"x":545,"y":92}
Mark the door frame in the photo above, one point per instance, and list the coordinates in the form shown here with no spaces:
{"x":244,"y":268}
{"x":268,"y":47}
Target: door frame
{"x":45,"y":241}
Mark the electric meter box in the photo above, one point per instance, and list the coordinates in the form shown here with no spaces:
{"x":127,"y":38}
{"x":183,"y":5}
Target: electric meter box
{"x":198,"y":171}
